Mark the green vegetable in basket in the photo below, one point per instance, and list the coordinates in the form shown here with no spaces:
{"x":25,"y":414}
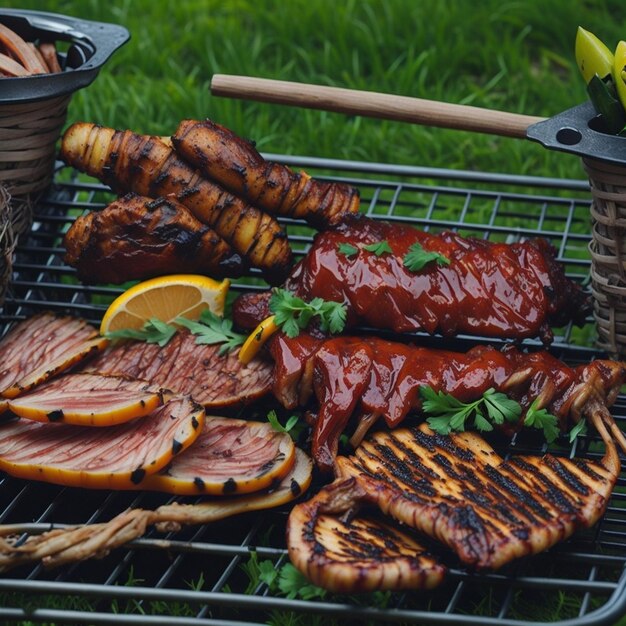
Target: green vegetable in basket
{"x":592,"y":56}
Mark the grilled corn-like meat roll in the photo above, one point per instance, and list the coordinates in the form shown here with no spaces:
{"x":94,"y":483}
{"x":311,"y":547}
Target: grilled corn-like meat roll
{"x":359,"y":554}
{"x":236,"y":165}
{"x":135,"y":238}
{"x":127,"y":161}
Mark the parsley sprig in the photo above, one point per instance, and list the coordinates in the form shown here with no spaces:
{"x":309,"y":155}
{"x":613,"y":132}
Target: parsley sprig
{"x":211,"y":329}
{"x":416,"y":258}
{"x":153,"y":331}
{"x":379,"y":248}
{"x":292,"y":314}
{"x":449,"y":414}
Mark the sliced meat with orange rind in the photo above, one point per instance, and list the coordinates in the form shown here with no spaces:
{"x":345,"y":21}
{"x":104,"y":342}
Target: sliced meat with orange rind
{"x":88,"y":400}
{"x":42,"y":346}
{"x":231,"y":456}
{"x":112,"y":457}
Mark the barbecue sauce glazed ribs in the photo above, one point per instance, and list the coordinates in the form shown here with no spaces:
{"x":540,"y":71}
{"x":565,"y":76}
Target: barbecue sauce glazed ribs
{"x":509,"y":291}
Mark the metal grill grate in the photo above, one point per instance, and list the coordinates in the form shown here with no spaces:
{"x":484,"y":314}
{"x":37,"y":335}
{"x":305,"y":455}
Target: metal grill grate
{"x":201,"y":575}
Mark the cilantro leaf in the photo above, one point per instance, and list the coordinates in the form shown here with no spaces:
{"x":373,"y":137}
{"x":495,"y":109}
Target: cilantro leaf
{"x":153,"y":331}
{"x":347,"y":249}
{"x":379,"y":248}
{"x":292,"y":314}
{"x":294,"y":584}
{"x":416,"y":258}
{"x":211,"y":329}
{"x":541,"y":419}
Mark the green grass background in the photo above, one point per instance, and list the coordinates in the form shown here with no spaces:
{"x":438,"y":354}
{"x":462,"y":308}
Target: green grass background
{"x":512,"y":56}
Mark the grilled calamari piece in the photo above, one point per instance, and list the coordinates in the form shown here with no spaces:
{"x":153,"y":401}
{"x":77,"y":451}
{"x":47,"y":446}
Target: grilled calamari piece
{"x":183,"y":366}
{"x":458,"y":490}
{"x":67,"y":545}
{"x":113,"y":457}
{"x":135,"y":238}
{"x":508,"y":291}
{"x":367,"y":378}
{"x":149,"y":167}
{"x":231,"y":456}
{"x":40,"y":347}
{"x":357,"y":554}
{"x":236,"y":165}
{"x":88,"y":400}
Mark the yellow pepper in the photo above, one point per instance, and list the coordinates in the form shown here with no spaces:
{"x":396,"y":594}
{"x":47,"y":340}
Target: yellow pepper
{"x":592,"y":56}
{"x":619,"y":72}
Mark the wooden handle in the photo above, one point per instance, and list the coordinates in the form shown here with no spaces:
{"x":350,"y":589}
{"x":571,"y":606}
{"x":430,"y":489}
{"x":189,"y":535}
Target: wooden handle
{"x":373,"y":104}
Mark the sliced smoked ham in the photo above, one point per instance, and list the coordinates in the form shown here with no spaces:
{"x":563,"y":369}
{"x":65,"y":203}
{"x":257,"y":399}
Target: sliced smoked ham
{"x":231,"y":456}
{"x":361,"y":554}
{"x":184,"y":366}
{"x":113,"y":457}
{"x":40,"y":347}
{"x":88,"y":400}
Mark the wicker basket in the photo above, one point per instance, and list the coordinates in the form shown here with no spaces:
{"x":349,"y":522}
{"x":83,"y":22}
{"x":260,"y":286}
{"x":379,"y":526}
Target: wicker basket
{"x":608,"y":253}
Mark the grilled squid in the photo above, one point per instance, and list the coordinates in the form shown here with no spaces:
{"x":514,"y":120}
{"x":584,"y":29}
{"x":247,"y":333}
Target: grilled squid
{"x":150,"y":167}
{"x":236,"y":165}
{"x":365,"y":379}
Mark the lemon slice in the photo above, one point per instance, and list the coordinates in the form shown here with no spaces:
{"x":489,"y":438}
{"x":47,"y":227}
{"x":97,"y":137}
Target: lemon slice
{"x":256,"y":339}
{"x":165,"y":298}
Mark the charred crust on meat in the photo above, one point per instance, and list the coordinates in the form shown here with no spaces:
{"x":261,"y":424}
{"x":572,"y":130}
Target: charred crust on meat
{"x":194,"y":423}
{"x":55,"y":416}
{"x":177,"y":446}
{"x":137,"y":475}
{"x":230,"y":486}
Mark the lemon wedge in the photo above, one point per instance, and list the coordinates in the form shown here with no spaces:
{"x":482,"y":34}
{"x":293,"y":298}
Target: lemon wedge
{"x":165,"y":298}
{"x":257,"y":339}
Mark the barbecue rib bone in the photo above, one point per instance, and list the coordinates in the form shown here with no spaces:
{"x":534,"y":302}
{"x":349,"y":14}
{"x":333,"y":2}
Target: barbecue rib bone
{"x":458,"y":490}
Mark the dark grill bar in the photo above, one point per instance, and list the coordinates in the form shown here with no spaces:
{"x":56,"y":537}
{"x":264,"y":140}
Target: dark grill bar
{"x":201,"y":575}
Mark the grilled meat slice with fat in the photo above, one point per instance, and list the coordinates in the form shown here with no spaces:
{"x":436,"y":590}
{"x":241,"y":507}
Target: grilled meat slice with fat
{"x":368,"y":378}
{"x":490,"y":289}
{"x":42,"y":346}
{"x":136,"y":237}
{"x":357,"y":554}
{"x":88,"y":400}
{"x":231,"y":456}
{"x":458,"y":490}
{"x":183,"y":366}
{"x":112,"y":457}
{"x":236,"y":164}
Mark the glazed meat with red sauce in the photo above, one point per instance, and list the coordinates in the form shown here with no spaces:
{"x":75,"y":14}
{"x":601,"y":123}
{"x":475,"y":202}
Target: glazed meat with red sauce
{"x":509,"y":291}
{"x":367,"y":378}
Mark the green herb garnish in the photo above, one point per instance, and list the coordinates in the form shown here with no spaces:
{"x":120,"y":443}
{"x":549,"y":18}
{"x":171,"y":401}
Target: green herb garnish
{"x":379,"y":248}
{"x":153,"y":331}
{"x":578,"y":429}
{"x":289,"y":427}
{"x":347,"y":249}
{"x":450,"y":414}
{"x":293,"y":314}
{"x":540,"y":418}
{"x":211,"y":329}
{"x":416,"y":258}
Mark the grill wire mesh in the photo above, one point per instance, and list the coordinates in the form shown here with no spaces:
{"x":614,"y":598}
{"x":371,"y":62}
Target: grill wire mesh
{"x":200,"y":574}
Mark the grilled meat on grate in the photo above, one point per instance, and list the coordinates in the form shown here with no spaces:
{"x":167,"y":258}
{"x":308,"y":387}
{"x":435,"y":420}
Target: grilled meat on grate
{"x":509,"y":291}
{"x":183,"y":366}
{"x":135,"y":238}
{"x":367,"y":378}
{"x":357,"y":554}
{"x":458,"y":490}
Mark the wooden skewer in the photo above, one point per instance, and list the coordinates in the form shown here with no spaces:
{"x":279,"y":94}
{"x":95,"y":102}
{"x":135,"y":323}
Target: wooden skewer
{"x":373,"y":104}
